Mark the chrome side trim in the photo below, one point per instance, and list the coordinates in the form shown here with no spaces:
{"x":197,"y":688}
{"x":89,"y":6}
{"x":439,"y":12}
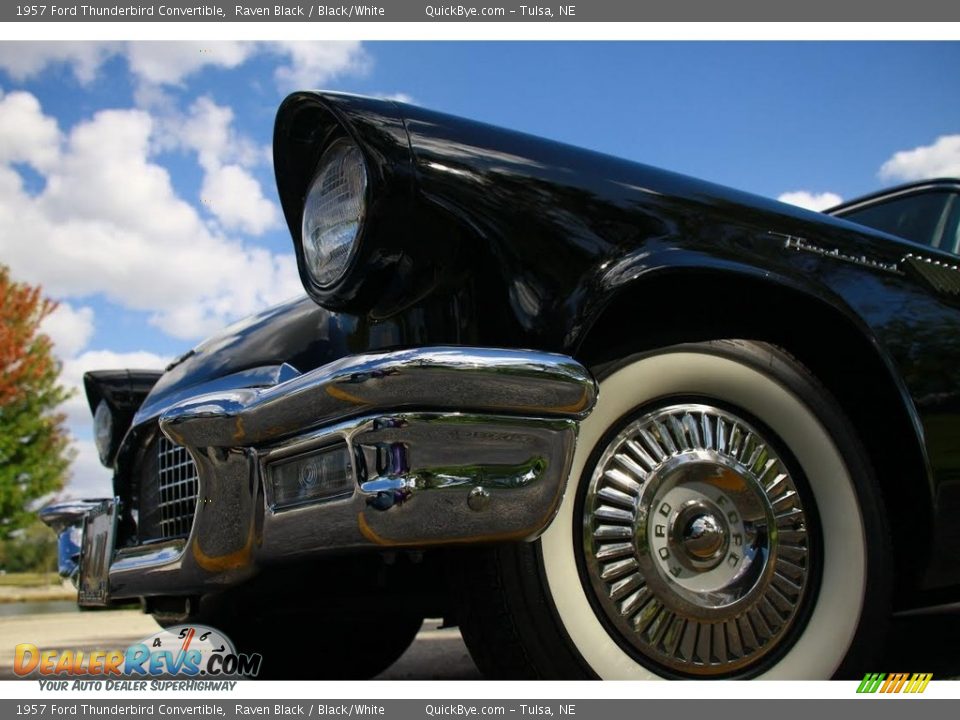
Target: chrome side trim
{"x":942,"y":276}
{"x":842,"y":210}
{"x":510,"y":382}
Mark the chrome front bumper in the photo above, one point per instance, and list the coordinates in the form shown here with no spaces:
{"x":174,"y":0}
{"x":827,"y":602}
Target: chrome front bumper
{"x":446,"y":445}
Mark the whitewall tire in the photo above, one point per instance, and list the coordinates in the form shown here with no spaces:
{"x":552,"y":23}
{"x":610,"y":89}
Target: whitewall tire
{"x":721,"y":520}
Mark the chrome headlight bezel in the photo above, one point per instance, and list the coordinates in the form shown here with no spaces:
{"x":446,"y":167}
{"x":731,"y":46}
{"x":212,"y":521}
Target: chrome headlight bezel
{"x":332,"y":227}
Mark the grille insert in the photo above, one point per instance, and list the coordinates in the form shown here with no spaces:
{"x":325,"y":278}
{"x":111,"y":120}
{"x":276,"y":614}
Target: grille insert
{"x":177,"y":480}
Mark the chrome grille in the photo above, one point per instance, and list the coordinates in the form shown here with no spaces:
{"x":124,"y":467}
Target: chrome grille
{"x":177,"y":485}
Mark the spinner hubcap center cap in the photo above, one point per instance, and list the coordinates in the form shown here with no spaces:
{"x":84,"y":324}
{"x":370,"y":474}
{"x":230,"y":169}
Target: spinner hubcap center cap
{"x":702,"y":537}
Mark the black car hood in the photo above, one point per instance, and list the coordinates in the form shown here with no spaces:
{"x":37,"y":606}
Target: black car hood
{"x":248,"y":353}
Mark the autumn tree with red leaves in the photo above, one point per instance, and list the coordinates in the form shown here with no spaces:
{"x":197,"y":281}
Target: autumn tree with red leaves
{"x":34,"y":454}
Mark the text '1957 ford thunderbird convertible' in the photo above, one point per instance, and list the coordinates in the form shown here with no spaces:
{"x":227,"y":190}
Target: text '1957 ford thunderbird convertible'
{"x":611,"y":421}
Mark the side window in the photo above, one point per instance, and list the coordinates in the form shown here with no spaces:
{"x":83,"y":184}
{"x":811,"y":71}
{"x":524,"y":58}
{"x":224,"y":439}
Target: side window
{"x":951,"y":228}
{"x":920,"y":217}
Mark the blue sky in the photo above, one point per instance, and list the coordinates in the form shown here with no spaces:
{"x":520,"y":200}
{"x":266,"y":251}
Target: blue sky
{"x":136,"y":183}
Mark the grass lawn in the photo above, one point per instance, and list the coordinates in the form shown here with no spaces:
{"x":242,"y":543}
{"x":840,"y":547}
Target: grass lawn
{"x":29,"y":579}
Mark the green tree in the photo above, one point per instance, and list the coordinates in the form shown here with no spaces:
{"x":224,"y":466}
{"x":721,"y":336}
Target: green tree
{"x":34,"y":453}
{"x":30,"y":549}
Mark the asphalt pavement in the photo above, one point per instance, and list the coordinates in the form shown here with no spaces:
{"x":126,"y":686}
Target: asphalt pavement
{"x":436,"y":654}
{"x":926,"y":643}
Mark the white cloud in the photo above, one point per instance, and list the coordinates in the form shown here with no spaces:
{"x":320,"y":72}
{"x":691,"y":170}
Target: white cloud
{"x":152,"y":62}
{"x":164,"y":63}
{"x":88,"y":477}
{"x":155,"y":98}
{"x":207,"y":130}
{"x":24,"y":60}
{"x":69,"y":328}
{"x":168,"y":63}
{"x":229,"y":191}
{"x":110,"y":221}
{"x":26,"y":134}
{"x":811,"y":201}
{"x":941,"y":159}
{"x":314,"y":64}
{"x":75,"y":367}
{"x":235,"y":197}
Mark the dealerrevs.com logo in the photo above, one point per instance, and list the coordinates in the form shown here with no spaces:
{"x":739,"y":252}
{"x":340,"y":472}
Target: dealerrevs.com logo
{"x":894,"y":682}
{"x":181,"y":651}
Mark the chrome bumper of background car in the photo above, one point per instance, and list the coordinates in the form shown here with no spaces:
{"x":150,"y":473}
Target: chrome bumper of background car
{"x":66,"y":520}
{"x":441,"y":446}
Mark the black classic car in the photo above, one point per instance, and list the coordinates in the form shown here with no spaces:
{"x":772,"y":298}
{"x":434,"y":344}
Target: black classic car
{"x":611,"y":421}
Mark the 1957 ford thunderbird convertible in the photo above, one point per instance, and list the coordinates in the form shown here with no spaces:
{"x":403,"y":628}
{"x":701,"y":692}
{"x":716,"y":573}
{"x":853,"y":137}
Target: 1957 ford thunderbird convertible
{"x":611,"y":421}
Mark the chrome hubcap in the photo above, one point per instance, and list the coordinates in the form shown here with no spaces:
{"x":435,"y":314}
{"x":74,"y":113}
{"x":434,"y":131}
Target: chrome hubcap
{"x":695,"y":540}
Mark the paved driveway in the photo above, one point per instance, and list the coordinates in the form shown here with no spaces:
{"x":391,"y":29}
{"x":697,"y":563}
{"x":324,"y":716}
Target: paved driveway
{"x":926,"y":643}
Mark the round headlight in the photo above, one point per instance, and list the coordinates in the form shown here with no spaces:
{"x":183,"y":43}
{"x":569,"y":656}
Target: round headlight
{"x":333,"y":212}
{"x":103,"y":431}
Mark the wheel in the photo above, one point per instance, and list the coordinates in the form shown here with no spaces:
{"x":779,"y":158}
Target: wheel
{"x":722,"y":521}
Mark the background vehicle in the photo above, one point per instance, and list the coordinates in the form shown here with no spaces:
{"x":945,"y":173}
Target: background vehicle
{"x":613,"y":421}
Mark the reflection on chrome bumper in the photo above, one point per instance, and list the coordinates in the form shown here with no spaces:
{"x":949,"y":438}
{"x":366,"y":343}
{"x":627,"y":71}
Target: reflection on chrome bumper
{"x":435,"y":446}
{"x":66,"y":520}
{"x":513,"y":382}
